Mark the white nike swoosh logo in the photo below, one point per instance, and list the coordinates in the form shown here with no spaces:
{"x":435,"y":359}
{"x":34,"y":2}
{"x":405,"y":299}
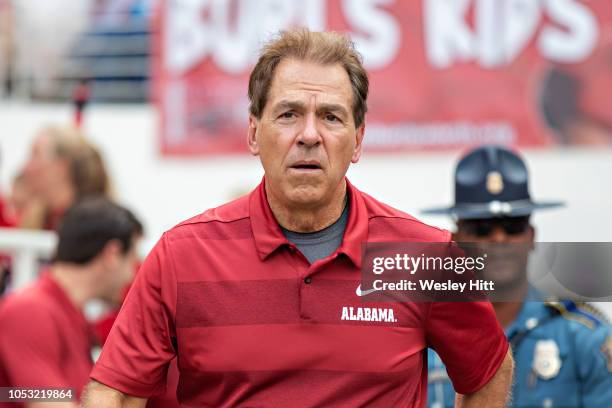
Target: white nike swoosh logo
{"x":360,"y":292}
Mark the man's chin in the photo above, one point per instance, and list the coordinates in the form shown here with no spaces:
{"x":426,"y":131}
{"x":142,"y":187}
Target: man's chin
{"x":308,"y":190}
{"x":306,"y":195}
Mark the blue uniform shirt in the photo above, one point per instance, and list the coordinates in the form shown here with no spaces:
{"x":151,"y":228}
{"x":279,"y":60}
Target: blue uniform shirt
{"x":563,"y":358}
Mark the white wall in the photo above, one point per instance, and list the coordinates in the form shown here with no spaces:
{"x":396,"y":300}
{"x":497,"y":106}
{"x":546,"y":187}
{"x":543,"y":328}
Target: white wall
{"x":164,"y":191}
{"x":44,"y":32}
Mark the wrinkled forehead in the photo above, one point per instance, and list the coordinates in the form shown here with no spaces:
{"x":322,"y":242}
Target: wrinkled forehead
{"x":309,"y":82}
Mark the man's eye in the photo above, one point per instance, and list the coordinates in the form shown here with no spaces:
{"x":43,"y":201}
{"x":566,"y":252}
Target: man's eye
{"x":287,"y":115}
{"x":331,"y":117}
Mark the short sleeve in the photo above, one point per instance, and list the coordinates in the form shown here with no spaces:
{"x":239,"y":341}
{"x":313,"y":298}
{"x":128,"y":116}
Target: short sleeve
{"x":469,"y":341}
{"x":594,"y":361}
{"x":136,"y":355}
{"x":30,"y":342}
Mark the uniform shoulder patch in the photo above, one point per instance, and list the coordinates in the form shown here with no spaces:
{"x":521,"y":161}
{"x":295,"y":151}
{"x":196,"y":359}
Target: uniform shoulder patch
{"x":606,"y":350}
{"x":583,"y":313}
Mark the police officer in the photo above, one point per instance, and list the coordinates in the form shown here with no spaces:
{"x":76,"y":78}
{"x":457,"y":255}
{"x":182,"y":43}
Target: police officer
{"x":562,"y":350}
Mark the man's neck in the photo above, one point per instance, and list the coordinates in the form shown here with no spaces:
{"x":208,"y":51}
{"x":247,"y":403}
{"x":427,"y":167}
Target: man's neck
{"x":508,"y":311}
{"x":74,"y":282}
{"x":308,"y":219}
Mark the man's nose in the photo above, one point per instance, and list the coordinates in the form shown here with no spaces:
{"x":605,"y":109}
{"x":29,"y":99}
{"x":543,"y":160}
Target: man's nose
{"x":309,"y":135}
{"x":498,"y":235}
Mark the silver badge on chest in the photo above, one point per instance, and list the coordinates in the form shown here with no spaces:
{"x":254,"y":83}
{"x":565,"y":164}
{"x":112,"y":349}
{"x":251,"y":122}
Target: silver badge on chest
{"x":546,"y":359}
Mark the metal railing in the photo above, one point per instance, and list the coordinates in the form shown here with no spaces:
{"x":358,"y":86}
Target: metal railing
{"x":26,"y":248}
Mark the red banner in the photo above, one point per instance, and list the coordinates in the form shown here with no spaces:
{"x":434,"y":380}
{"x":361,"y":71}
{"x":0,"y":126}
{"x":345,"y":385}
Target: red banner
{"x":444,"y":73}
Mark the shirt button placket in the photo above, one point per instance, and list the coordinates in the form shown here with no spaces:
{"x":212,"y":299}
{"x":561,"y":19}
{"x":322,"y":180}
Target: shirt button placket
{"x":306,"y":294}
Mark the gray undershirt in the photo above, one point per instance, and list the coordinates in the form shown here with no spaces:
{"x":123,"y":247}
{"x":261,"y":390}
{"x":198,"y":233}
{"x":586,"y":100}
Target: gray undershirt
{"x":320,"y":244}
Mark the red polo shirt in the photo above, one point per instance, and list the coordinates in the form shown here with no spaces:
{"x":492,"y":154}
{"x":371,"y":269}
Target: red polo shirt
{"x":45,"y":340}
{"x":254,"y":324}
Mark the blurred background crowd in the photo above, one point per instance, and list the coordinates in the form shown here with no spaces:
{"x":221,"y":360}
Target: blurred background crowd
{"x":144,"y":102}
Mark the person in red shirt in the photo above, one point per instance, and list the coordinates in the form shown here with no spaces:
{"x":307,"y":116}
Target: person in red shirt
{"x":45,"y":340}
{"x":259,"y":300}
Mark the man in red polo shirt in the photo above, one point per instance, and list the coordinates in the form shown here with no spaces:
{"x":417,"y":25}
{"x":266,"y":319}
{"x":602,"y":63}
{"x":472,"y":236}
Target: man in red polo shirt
{"x":45,"y":341}
{"x":260,"y":299}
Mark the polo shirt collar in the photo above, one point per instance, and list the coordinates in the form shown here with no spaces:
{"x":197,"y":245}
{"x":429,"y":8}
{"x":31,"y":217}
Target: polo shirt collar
{"x":269,"y":237}
{"x":266,"y":231}
{"x":356,"y":233}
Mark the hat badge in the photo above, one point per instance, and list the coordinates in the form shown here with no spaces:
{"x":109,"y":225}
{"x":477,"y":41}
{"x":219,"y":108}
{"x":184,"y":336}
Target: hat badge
{"x":495,"y":182}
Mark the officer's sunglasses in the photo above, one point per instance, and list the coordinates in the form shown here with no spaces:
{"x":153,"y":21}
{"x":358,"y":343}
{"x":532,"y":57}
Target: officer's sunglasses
{"x":484,"y":227}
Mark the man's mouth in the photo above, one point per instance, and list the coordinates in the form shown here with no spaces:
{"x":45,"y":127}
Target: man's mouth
{"x":306,"y":166}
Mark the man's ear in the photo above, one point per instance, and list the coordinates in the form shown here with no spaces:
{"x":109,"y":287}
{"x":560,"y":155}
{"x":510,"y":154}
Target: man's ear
{"x":252,"y":135}
{"x":358,"y":143}
{"x":456,"y":233}
{"x":111,"y":251}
